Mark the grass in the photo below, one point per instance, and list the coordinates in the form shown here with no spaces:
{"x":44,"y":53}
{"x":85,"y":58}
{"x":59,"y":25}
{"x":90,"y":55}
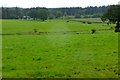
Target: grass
{"x":89,"y":20}
{"x":15,"y":26}
{"x":59,"y":55}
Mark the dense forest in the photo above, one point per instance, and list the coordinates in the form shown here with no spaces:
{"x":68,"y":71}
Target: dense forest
{"x":51,"y":13}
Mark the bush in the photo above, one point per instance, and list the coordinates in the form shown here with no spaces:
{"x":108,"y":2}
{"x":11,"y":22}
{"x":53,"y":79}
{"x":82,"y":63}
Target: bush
{"x":111,"y":28}
{"x":108,"y":24}
{"x":83,"y":22}
{"x":93,"y":31}
{"x":89,"y":22}
{"x":35,"y":30}
{"x":67,"y":21}
{"x":117,"y":30}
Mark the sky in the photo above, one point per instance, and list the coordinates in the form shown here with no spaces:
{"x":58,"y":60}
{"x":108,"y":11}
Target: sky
{"x":56,"y":3}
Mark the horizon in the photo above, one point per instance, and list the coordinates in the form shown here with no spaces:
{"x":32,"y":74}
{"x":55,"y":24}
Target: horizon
{"x":57,"y":3}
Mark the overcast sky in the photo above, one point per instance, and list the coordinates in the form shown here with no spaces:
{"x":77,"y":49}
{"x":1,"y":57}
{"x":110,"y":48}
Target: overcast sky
{"x":55,"y":3}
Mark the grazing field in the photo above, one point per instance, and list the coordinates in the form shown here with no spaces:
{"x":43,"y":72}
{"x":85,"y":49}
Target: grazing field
{"x":58,"y":49}
{"x":93,"y":20}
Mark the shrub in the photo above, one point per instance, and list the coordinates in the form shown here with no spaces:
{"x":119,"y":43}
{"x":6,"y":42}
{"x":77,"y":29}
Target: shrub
{"x":108,"y":24}
{"x":93,"y":31}
{"x":83,"y":22}
{"x":67,"y":21}
{"x":35,"y":30}
{"x":89,"y":22}
{"x":117,"y":30}
{"x":111,"y":28}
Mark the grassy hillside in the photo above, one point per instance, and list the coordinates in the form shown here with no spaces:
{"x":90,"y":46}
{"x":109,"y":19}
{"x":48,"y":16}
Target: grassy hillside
{"x":77,"y":54}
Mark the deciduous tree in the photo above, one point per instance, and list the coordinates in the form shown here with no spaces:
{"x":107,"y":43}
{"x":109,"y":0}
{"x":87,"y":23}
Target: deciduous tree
{"x":113,"y":15}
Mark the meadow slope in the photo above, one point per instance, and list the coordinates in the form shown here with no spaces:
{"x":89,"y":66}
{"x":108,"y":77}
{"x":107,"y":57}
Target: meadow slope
{"x":59,"y":55}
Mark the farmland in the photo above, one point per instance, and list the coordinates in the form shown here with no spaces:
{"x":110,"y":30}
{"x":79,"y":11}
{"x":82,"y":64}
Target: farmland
{"x":58,"y":49}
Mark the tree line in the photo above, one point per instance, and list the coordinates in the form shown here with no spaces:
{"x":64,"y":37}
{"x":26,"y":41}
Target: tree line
{"x":107,"y":13}
{"x":52,"y":13}
{"x":113,"y":16}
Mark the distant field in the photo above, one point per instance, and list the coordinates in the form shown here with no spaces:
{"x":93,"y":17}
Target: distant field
{"x":71,"y":52}
{"x":15,"y":26}
{"x":93,"y":20}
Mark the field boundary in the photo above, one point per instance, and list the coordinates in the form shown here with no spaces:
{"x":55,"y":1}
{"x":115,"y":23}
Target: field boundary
{"x":83,"y":21}
{"x":60,"y":32}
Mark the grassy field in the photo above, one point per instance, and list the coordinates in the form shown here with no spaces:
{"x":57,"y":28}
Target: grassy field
{"x":94,"y":20}
{"x":15,"y":26}
{"x":0,"y":49}
{"x":71,"y":52}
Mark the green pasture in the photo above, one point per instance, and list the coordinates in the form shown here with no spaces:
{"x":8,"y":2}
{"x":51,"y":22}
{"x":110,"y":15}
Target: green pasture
{"x":94,"y":20}
{"x":69,"y":55}
{"x":15,"y":26}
